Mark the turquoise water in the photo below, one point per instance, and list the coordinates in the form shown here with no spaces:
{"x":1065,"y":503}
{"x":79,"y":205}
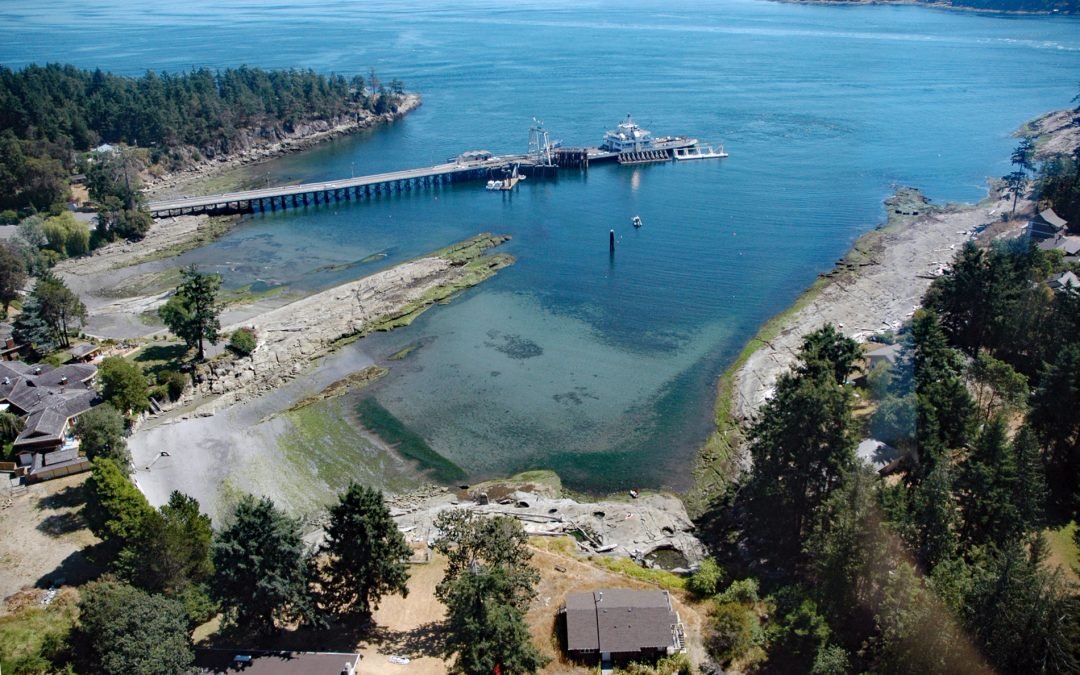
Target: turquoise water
{"x":601,"y":367}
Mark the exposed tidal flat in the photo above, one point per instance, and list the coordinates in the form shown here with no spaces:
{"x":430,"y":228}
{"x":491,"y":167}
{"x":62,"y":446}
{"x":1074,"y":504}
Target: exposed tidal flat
{"x":604,"y":369}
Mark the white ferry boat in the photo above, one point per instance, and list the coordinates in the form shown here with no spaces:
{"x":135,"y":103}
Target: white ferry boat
{"x":629,"y":137}
{"x":699,"y":151}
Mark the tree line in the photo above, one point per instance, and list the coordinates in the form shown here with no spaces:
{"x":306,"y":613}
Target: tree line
{"x":49,"y":113}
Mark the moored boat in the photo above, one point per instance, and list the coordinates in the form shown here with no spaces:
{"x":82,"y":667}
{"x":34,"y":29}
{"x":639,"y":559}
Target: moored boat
{"x":636,"y":221}
{"x":699,"y":151}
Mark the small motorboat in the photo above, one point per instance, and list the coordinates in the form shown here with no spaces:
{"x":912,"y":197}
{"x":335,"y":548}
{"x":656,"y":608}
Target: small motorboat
{"x":636,"y":221}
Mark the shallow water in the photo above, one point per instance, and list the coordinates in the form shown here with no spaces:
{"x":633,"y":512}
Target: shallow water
{"x":601,"y":367}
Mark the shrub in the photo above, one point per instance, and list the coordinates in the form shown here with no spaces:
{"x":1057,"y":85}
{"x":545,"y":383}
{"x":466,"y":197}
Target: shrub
{"x":743,"y":590}
{"x":243,"y":341}
{"x":9,"y":217}
{"x":706,"y":580}
{"x":174,"y":383}
{"x":731,"y":631}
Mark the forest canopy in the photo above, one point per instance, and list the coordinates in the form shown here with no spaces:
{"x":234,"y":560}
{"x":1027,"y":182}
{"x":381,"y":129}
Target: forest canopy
{"x":50,"y":112}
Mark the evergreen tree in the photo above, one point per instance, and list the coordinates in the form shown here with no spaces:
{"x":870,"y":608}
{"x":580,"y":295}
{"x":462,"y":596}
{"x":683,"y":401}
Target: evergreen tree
{"x":469,"y":541}
{"x":48,"y":315}
{"x":1054,"y":418}
{"x":115,"y":509}
{"x":802,"y":447}
{"x":260,"y":567}
{"x":365,"y":554}
{"x":30,"y":328}
{"x":12,"y":274}
{"x":1030,"y":493}
{"x":935,"y":517}
{"x":192,"y":311}
{"x":987,"y":485}
{"x":172,"y":549}
{"x":486,"y":632}
{"x":126,"y":631}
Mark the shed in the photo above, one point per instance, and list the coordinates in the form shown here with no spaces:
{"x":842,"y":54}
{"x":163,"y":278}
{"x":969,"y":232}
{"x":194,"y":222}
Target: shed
{"x":1064,"y":281}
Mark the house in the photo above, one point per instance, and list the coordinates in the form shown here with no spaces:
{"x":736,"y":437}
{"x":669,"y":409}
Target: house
{"x":1069,"y":246}
{"x":261,"y":662}
{"x":1046,"y":225}
{"x":1064,"y":281}
{"x":50,"y":399}
{"x":619,"y":624}
{"x":84,"y":353}
{"x":886,"y":354}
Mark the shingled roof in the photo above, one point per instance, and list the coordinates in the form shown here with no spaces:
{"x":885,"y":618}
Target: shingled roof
{"x":622,"y":621}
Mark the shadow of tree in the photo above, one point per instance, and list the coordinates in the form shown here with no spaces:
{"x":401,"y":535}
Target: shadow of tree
{"x":72,"y":495}
{"x":76,"y":569}
{"x":62,"y":523}
{"x":424,"y":640}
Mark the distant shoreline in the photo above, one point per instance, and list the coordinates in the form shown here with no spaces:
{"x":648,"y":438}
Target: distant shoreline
{"x":928,"y":5}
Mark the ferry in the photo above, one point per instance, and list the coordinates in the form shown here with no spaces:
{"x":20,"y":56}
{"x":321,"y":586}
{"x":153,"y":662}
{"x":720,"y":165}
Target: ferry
{"x":699,"y":151}
{"x":629,"y":137}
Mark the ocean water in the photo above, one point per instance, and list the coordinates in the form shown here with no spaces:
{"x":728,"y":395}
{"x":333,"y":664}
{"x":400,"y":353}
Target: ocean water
{"x":601,"y":367}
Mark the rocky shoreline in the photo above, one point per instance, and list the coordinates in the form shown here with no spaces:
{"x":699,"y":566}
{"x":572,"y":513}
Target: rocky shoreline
{"x":875,"y":287}
{"x":292,"y":336}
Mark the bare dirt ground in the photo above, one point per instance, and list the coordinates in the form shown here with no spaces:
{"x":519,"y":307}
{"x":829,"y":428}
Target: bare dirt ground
{"x":43,"y":537}
{"x":411,"y":627}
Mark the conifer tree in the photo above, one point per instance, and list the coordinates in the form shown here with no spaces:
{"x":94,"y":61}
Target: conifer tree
{"x":365,"y":554}
{"x":1030,"y":493}
{"x":987,"y":488}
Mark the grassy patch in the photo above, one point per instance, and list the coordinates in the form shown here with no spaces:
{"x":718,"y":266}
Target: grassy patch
{"x":29,"y":633}
{"x":246,"y":294}
{"x":1063,"y":550}
{"x":383,"y":424}
{"x":629,"y":568}
{"x":160,"y":356}
{"x":564,"y":545}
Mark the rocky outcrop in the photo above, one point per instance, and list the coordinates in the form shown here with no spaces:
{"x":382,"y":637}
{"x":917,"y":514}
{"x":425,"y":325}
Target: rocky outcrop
{"x":290,"y":337}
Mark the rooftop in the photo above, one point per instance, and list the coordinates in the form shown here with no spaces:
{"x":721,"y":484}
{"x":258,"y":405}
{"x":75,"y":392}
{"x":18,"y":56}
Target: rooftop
{"x":257,"y":662}
{"x":619,"y":620}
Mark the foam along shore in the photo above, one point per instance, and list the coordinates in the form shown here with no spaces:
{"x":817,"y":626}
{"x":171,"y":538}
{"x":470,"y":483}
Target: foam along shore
{"x":877,"y":286}
{"x":292,"y":336}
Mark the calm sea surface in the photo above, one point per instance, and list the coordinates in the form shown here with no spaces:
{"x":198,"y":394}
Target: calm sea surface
{"x":601,"y":368}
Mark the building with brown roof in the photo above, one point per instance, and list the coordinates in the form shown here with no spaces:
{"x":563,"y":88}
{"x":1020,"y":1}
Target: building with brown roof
{"x":1046,"y":225}
{"x":50,"y":398}
{"x":619,"y":624}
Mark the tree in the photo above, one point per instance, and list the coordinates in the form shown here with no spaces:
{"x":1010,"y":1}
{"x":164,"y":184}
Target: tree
{"x":987,"y":485}
{"x":260,"y":567}
{"x":1015,"y":184}
{"x":243,"y":341}
{"x":30,"y":328}
{"x":1023,"y":157}
{"x":113,"y":179}
{"x":115,"y":509}
{"x":470,"y":541}
{"x":1030,"y":493}
{"x":1053,"y":417}
{"x":55,"y":306}
{"x":66,"y":236}
{"x":172,"y":550}
{"x":364,"y":554}
{"x":802,"y":446}
{"x":130,"y":632}
{"x":12,"y":274}
{"x":192,"y":312}
{"x":706,"y":580}
{"x":486,"y":632}
{"x":123,"y":384}
{"x":998,"y":387}
{"x":101,"y":434}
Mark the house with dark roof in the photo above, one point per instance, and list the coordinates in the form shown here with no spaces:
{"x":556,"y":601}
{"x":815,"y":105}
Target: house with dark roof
{"x":50,"y":399}
{"x":619,"y":624}
{"x":262,"y":662}
{"x":1064,"y":281}
{"x":1046,"y":225}
{"x":1069,"y":245}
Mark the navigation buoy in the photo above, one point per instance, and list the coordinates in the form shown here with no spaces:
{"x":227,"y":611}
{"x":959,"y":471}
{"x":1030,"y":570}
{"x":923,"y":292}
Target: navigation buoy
{"x":611,"y":241}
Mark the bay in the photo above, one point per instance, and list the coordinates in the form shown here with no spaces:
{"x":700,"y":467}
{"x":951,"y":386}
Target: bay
{"x":600,"y":367}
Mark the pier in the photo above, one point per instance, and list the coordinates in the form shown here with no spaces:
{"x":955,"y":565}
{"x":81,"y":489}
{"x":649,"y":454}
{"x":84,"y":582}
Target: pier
{"x":543,"y":159}
{"x":344,"y":190}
